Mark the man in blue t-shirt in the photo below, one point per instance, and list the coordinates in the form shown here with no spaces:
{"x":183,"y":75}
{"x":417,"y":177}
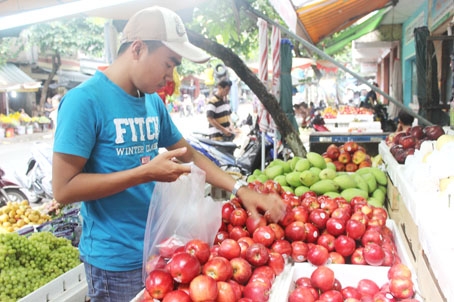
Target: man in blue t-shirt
{"x":106,"y":152}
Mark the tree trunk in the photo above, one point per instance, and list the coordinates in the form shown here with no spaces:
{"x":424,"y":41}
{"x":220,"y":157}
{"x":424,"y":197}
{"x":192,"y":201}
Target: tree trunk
{"x":56,"y":63}
{"x":230,"y":59}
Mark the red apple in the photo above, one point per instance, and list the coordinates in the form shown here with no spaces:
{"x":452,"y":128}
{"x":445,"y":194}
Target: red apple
{"x":303,"y":282}
{"x":399,"y":270}
{"x":243,"y":248}
{"x":371,"y":235}
{"x":238,"y":217}
{"x":257,"y":254}
{"x":301,"y":294}
{"x":265,"y":271}
{"x":332,"y":296}
{"x":237,"y":288}
{"x":326,"y":240}
{"x":198,"y":248}
{"x":282,"y":247}
{"x":203,"y":288}
{"x":317,"y":255}
{"x":318,"y":217}
{"x":168,"y":246}
{"x":323,"y":278}
{"x":310,"y":202}
{"x":351,"y":146}
{"x":295,"y":231}
{"x":226,"y":293}
{"x":339,"y":165}
{"x":158,"y":283}
{"x":355,"y":228}
{"x":252,"y":223}
{"x":367,"y":287}
{"x":351,"y":167}
{"x":242,"y":270}
{"x":350,"y":292}
{"x":237,"y":232}
{"x":264,"y":235}
{"x":344,"y":245}
{"x":279,"y":232}
{"x":336,"y":258}
{"x":401,"y":288}
{"x":388,"y":260}
{"x":357,"y":257}
{"x":288,"y":218}
{"x":342,"y":213}
{"x":155,"y":262}
{"x":184,"y":267}
{"x":277,"y":262}
{"x":229,"y":248}
{"x":218,"y":268}
{"x":312,"y":232}
{"x":335,"y":226}
{"x":328,"y":204}
{"x":299,"y":251}
{"x":332,"y":151}
{"x":344,"y":158}
{"x":373,"y":254}
{"x":227,"y":209}
{"x":384,"y":297}
{"x":220,"y":236}
{"x":300,"y":213}
{"x":257,"y":291}
{"x":177,"y":295}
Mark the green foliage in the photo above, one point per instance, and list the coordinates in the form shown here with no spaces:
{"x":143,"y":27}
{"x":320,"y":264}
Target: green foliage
{"x":67,"y":36}
{"x":231,"y":26}
{"x":9,"y":48}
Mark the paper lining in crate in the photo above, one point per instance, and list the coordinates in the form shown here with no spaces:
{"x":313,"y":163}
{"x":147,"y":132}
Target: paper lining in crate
{"x":68,"y":287}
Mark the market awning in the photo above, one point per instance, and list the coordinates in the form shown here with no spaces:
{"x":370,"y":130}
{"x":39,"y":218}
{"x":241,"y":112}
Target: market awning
{"x":14,"y":79}
{"x":321,"y":19}
{"x":354,"y":32}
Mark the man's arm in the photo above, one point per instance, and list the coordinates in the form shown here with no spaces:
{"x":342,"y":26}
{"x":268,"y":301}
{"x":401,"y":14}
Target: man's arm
{"x":70,"y":184}
{"x":218,"y":126}
{"x":253,"y":201}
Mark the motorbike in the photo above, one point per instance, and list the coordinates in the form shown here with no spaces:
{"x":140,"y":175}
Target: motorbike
{"x":10,"y":191}
{"x":37,"y":178}
{"x":223,"y":153}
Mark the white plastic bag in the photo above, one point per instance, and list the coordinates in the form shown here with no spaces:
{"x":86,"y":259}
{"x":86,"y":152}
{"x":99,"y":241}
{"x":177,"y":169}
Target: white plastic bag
{"x":179,"y":212}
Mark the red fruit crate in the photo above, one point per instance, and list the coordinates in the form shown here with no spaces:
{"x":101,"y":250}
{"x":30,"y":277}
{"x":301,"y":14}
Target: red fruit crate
{"x":347,"y":274}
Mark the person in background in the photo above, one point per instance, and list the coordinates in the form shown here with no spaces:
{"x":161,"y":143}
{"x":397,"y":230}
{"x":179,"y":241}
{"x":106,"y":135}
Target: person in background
{"x":108,"y":153}
{"x":404,"y":121}
{"x":218,"y":113}
{"x":371,"y":98}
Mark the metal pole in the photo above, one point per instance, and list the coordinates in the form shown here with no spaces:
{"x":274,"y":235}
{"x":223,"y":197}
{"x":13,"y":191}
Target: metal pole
{"x":330,"y":59}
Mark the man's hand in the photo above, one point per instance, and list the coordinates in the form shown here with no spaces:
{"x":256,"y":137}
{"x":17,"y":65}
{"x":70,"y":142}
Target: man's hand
{"x":165,"y":168}
{"x":271,"y":204}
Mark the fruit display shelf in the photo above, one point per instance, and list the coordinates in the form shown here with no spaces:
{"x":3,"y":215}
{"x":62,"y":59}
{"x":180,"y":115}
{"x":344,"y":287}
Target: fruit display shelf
{"x":69,"y":287}
{"x":425,"y":218}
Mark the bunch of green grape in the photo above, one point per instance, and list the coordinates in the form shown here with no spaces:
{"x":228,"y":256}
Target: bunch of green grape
{"x":28,"y":263}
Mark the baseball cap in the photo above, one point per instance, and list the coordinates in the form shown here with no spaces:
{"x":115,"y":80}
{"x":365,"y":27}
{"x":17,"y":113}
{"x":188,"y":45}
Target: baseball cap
{"x":162,"y":24}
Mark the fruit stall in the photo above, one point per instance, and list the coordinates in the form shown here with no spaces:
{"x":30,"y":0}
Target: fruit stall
{"x":358,"y":226}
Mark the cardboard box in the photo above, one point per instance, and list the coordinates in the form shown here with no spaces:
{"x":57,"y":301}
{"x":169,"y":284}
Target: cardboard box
{"x":409,"y":232}
{"x":69,"y":287}
{"x":428,"y":284}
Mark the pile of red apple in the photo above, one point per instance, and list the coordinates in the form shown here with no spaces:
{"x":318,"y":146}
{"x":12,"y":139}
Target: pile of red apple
{"x":248,"y":253}
{"x":403,"y":144}
{"x":347,"y":157}
{"x":322,"y":285}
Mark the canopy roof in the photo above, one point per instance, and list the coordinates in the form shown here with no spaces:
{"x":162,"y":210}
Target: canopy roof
{"x":14,"y":79}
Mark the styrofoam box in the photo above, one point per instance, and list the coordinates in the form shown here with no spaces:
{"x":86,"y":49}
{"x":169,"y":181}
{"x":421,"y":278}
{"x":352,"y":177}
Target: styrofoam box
{"x":347,"y":274}
{"x":68,"y":287}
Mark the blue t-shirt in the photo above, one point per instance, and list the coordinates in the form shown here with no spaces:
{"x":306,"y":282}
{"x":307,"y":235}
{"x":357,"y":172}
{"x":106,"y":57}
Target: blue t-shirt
{"x":114,"y":131}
